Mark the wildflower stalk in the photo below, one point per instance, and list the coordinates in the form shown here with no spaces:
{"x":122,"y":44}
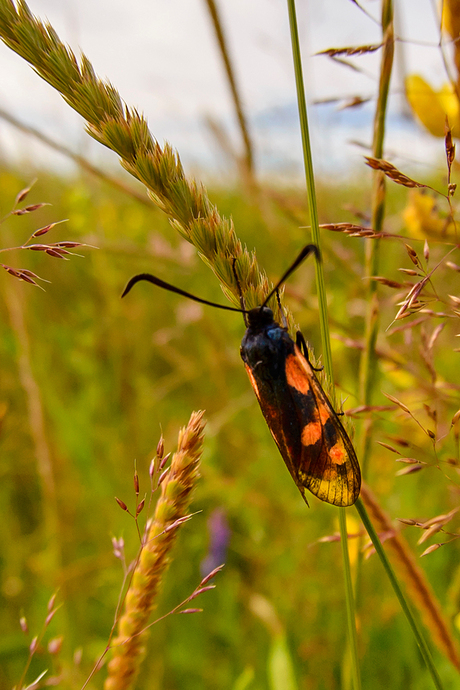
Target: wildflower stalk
{"x":171,"y":509}
{"x":324,"y":323}
{"x":368,"y":365}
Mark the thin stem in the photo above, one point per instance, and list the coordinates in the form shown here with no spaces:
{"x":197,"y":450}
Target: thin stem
{"x":369,"y":360}
{"x":218,"y":28}
{"x":325,"y":337}
{"x":368,"y":371}
{"x":350,"y":601}
{"x":424,"y":649}
{"x":310,"y":181}
{"x":368,"y":366}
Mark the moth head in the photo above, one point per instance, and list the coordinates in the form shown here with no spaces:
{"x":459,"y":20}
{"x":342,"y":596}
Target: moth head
{"x":259,"y":317}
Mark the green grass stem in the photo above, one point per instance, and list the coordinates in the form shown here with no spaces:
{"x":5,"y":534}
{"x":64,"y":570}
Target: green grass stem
{"x":368,"y":370}
{"x":324,"y":322}
{"x":368,"y":366}
{"x":372,"y":321}
{"x":311,"y":193}
{"x":424,"y":649}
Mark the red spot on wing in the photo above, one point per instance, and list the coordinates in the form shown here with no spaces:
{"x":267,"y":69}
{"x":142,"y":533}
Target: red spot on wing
{"x":330,"y":472}
{"x":296,"y":375}
{"x":338,"y":454}
{"x":319,"y":470}
{"x":311,"y":433}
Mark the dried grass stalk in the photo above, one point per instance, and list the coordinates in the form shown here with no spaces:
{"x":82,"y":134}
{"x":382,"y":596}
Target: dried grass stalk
{"x":351,"y":50}
{"x":392,"y":172}
{"x":172,"y":507}
{"x":353,"y":102}
{"x":248,"y":160}
{"x":422,"y":596}
{"x":450,"y":148}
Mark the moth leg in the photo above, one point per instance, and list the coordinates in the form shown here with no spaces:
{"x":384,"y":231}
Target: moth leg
{"x":302,"y":345}
{"x":280,"y":307}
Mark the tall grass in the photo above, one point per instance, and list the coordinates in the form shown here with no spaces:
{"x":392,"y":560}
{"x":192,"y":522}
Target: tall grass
{"x":191,"y":213}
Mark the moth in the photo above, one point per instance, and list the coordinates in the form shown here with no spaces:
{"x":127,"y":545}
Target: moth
{"x":308,"y":432}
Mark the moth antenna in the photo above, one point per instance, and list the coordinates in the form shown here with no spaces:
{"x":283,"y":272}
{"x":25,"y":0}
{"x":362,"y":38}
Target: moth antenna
{"x":167,"y":286}
{"x":306,"y":251}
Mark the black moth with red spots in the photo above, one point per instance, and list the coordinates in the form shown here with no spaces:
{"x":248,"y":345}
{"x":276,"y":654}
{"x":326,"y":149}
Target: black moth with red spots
{"x":310,"y":437}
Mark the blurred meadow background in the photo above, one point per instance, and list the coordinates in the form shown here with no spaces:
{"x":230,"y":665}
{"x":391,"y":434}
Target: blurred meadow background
{"x":89,"y":382}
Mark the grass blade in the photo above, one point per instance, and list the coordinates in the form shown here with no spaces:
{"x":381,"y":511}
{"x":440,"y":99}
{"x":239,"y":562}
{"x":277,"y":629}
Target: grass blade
{"x":325,"y":337}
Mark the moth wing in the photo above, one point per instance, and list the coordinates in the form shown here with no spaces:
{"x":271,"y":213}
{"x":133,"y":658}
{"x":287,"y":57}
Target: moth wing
{"x":328,"y":466}
{"x":279,"y":410}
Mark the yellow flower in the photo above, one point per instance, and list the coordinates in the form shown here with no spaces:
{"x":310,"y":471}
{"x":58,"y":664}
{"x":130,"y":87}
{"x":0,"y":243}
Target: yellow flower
{"x":422,"y":217}
{"x":431,"y":107}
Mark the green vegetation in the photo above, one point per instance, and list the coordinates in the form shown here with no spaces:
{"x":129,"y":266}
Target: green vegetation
{"x":112,"y":372}
{"x":90,"y":383}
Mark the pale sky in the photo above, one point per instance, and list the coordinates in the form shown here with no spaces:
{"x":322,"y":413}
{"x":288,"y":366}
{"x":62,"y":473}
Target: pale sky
{"x":162,"y":57}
